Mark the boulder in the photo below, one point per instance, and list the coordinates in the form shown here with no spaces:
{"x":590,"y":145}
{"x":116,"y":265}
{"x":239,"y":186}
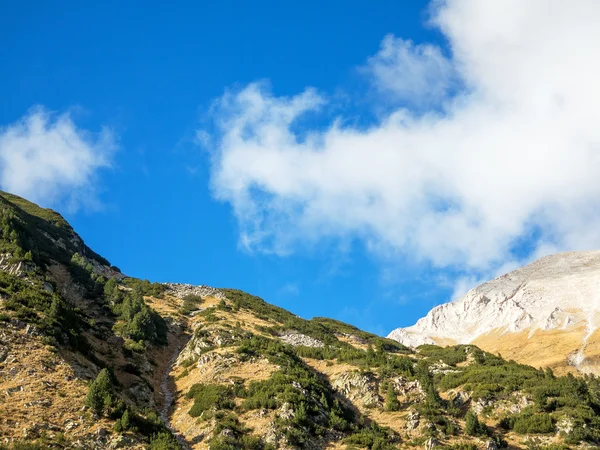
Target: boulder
{"x":431,"y":443}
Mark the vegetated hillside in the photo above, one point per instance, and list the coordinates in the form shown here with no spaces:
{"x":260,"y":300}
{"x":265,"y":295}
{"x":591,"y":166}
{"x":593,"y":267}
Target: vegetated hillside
{"x":544,"y":314}
{"x":92,"y":359}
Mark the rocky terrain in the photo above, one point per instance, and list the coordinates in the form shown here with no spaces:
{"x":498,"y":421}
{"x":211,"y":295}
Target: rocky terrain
{"x":93,"y":359}
{"x":546,"y":314}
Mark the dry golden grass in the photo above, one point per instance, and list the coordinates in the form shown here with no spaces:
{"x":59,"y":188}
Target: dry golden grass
{"x":394,"y":420}
{"x":353,"y":341}
{"x":591,"y":363}
{"x":258,"y":421}
{"x":166,"y":306}
{"x":329,"y":369}
{"x":548,"y":348}
{"x":222,"y":367}
{"x":51,"y":397}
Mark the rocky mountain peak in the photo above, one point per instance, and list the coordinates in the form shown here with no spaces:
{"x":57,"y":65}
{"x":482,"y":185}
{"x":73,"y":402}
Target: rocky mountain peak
{"x":557,"y":292}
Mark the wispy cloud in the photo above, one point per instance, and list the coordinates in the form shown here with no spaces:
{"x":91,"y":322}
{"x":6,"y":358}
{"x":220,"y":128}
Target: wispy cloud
{"x":418,"y":74}
{"x":46,"y":158}
{"x":516,"y":149}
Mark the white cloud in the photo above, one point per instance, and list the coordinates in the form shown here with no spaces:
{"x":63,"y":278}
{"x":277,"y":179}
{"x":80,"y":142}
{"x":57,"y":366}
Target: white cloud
{"x":514,"y":156}
{"x":418,"y":74}
{"x":47,"y":159}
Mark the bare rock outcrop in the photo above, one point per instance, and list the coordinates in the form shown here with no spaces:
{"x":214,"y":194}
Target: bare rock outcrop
{"x":15,"y":267}
{"x":181,"y":290}
{"x":356,"y":386}
{"x":298,"y":339}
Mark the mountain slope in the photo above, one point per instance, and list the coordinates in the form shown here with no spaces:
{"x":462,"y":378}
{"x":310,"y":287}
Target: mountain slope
{"x":92,"y":359}
{"x":546,"y":313}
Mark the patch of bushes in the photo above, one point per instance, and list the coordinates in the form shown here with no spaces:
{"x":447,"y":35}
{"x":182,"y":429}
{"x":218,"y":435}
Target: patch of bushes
{"x":190,"y":304}
{"x":373,"y":437}
{"x":102,"y":399}
{"x":207,"y":396}
{"x":31,"y":303}
{"x":188,"y":362}
{"x":140,"y":323}
{"x":316,"y":409}
{"x":286,"y":320}
{"x":164,"y":441}
{"x":449,"y":355}
{"x":491,"y":378}
{"x":486,"y":376}
{"x":145,"y":287}
{"x":209,"y":315}
{"x":535,"y":444}
{"x":528,"y":422}
{"x":338,"y":327}
{"x":82,"y":273}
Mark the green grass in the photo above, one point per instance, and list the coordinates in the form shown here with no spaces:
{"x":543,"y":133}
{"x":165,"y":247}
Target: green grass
{"x":32,"y":209}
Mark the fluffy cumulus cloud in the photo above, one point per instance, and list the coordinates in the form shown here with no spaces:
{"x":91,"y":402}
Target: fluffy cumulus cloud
{"x":507,"y":155}
{"x":48,"y":159}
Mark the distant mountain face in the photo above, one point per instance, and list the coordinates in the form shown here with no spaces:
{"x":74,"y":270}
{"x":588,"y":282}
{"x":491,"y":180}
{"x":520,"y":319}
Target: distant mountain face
{"x":544,"y":314}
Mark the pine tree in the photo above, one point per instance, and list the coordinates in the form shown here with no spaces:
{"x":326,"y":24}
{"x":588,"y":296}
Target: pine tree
{"x":300,"y":415}
{"x":123,"y":423}
{"x":100,"y":392}
{"x":473,"y":426}
{"x":324,"y":401}
{"x":391,"y":400}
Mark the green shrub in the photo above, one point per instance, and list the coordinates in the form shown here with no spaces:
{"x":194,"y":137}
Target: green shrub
{"x":473,"y":427}
{"x":134,"y":346}
{"x":164,"y":441}
{"x":527,"y":423}
{"x":145,"y":287}
{"x":391,"y":400}
{"x":461,"y":446}
{"x":188,"y":362}
{"x":536,"y":423}
{"x":487,"y":391}
{"x":190,"y":304}
{"x":207,"y":396}
{"x":450,"y":355}
{"x":374,"y":437}
{"x":123,"y":423}
{"x":100,"y":395}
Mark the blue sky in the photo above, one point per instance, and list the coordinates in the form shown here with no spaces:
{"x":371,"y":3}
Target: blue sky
{"x":341,"y":159}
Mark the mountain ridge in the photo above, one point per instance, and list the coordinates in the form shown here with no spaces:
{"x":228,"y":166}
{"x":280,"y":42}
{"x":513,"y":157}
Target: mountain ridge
{"x":92,"y":359}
